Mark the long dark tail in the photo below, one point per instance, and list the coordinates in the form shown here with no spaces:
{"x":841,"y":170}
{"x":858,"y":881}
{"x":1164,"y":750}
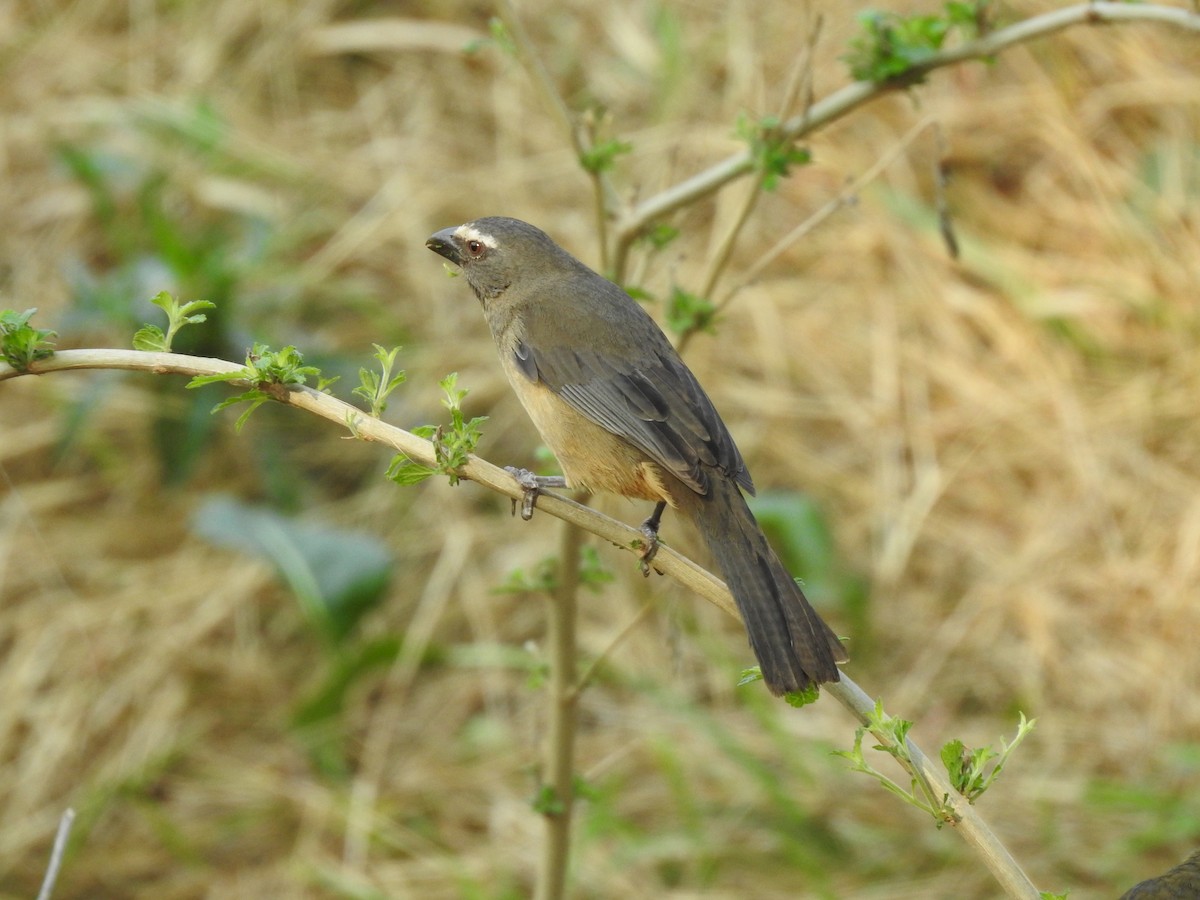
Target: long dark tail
{"x":794,"y":647}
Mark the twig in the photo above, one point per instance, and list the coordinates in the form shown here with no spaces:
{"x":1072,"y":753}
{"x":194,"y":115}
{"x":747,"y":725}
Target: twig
{"x":594,"y":666}
{"x":970,"y":824}
{"x":607,"y":199}
{"x":854,"y":95}
{"x":972,"y":827}
{"x":838,"y":201}
{"x":56,"y":853}
{"x":799,"y":82}
{"x":559,"y":773}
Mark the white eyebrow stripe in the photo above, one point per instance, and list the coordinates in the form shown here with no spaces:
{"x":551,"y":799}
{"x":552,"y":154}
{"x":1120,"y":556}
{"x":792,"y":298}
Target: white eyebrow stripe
{"x":471,"y":233}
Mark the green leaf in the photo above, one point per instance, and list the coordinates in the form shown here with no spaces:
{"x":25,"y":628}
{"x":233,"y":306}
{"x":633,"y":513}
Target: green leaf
{"x":802,"y":698}
{"x":336,"y":574}
{"x":687,"y":312}
{"x":264,"y":366}
{"x":602,"y":156}
{"x":969,"y":770}
{"x":547,"y":802}
{"x":750,"y":675}
{"x":773,"y":153}
{"x":405,"y":471}
{"x":375,"y":387}
{"x":20,"y":343}
{"x":890,"y":46}
{"x":151,"y":337}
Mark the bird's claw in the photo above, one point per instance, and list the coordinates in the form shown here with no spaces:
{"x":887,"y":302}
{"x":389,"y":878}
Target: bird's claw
{"x":649,"y":546}
{"x":531,"y":486}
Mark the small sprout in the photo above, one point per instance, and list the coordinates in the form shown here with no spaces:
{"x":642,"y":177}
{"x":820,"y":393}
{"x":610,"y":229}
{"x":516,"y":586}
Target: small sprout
{"x":374,"y":387}
{"x":687,"y":312}
{"x":547,"y":802}
{"x":772,"y":152}
{"x":264,"y":366}
{"x":968,"y":769}
{"x":892,"y":45}
{"x":151,"y":337}
{"x":802,"y":698}
{"x":452,"y":445}
{"x":603,"y":156}
{"x":750,"y":675}
{"x":893,"y":735}
{"x":659,"y":235}
{"x":20,"y":343}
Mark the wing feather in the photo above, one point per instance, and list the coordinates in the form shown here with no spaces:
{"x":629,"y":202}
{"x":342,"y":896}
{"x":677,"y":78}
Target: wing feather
{"x":657,"y":405}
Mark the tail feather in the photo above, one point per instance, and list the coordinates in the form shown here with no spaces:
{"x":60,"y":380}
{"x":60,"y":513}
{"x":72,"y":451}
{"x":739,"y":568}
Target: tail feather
{"x":794,"y":647}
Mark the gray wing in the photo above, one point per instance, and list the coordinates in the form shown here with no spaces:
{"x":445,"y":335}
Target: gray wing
{"x":656,"y":404}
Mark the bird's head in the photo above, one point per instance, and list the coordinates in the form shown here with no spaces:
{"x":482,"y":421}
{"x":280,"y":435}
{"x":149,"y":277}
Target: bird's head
{"x":497,"y":252}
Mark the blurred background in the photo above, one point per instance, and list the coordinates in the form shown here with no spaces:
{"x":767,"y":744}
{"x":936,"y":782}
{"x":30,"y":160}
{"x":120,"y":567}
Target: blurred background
{"x":256,"y":668}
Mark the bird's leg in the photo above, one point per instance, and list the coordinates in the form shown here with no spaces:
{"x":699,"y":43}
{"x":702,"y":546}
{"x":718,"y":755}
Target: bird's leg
{"x":649,"y":531}
{"x":531,"y":484}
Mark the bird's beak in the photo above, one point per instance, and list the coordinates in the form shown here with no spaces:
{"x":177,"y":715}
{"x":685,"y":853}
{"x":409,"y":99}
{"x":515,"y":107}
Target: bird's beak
{"x":444,"y":243}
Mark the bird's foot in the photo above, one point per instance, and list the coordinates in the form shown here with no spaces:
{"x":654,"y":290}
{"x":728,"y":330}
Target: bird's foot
{"x":649,"y":530}
{"x":531,"y":485}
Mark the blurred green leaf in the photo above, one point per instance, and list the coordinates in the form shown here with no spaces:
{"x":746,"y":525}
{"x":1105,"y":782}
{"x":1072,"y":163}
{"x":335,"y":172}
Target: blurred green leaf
{"x":336,"y":574}
{"x":21,"y":343}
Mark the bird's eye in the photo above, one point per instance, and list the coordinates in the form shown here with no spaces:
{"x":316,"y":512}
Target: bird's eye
{"x":475,"y":248}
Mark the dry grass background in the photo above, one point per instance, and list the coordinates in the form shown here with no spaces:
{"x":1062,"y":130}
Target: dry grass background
{"x":1005,"y":446}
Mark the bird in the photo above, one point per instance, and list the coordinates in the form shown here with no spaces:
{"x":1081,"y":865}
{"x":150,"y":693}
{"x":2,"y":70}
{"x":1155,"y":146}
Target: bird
{"x":1180,"y":883}
{"x":621,"y":412}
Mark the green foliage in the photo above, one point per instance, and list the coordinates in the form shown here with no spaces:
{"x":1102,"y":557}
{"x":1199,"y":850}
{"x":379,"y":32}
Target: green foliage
{"x":21,"y":343}
{"x":797,"y":699}
{"x":802,"y":698}
{"x":542,"y":580}
{"x":1160,"y":811}
{"x":659,"y":235}
{"x":892,"y":45}
{"x":264,"y":366}
{"x":602,"y":156}
{"x":452,"y":445}
{"x":337,"y":575}
{"x":1051,"y":895}
{"x":151,"y":337}
{"x":374,"y":387}
{"x":772,"y":151}
{"x":893,"y":733}
{"x":968,"y":769}
{"x":501,"y":37}
{"x":593,"y":575}
{"x":547,"y":802}
{"x":687,"y":312}
{"x":151,"y":231}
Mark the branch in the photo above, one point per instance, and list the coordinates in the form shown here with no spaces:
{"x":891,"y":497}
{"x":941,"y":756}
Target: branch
{"x":972,"y":828}
{"x":557,"y":799}
{"x":854,"y":95}
{"x":56,"y":853}
{"x":970,"y":824}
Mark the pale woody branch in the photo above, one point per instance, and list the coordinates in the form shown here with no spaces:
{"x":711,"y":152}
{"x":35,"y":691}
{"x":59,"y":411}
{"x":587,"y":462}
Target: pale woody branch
{"x":852,"y":96}
{"x":972,"y":828}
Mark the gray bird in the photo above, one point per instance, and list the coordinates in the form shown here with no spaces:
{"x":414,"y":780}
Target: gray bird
{"x":1180,"y":883}
{"x":621,"y":412}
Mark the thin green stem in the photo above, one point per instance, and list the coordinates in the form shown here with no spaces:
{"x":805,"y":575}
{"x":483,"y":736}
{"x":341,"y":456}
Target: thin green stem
{"x":559,"y":767}
{"x":852,"y":96}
